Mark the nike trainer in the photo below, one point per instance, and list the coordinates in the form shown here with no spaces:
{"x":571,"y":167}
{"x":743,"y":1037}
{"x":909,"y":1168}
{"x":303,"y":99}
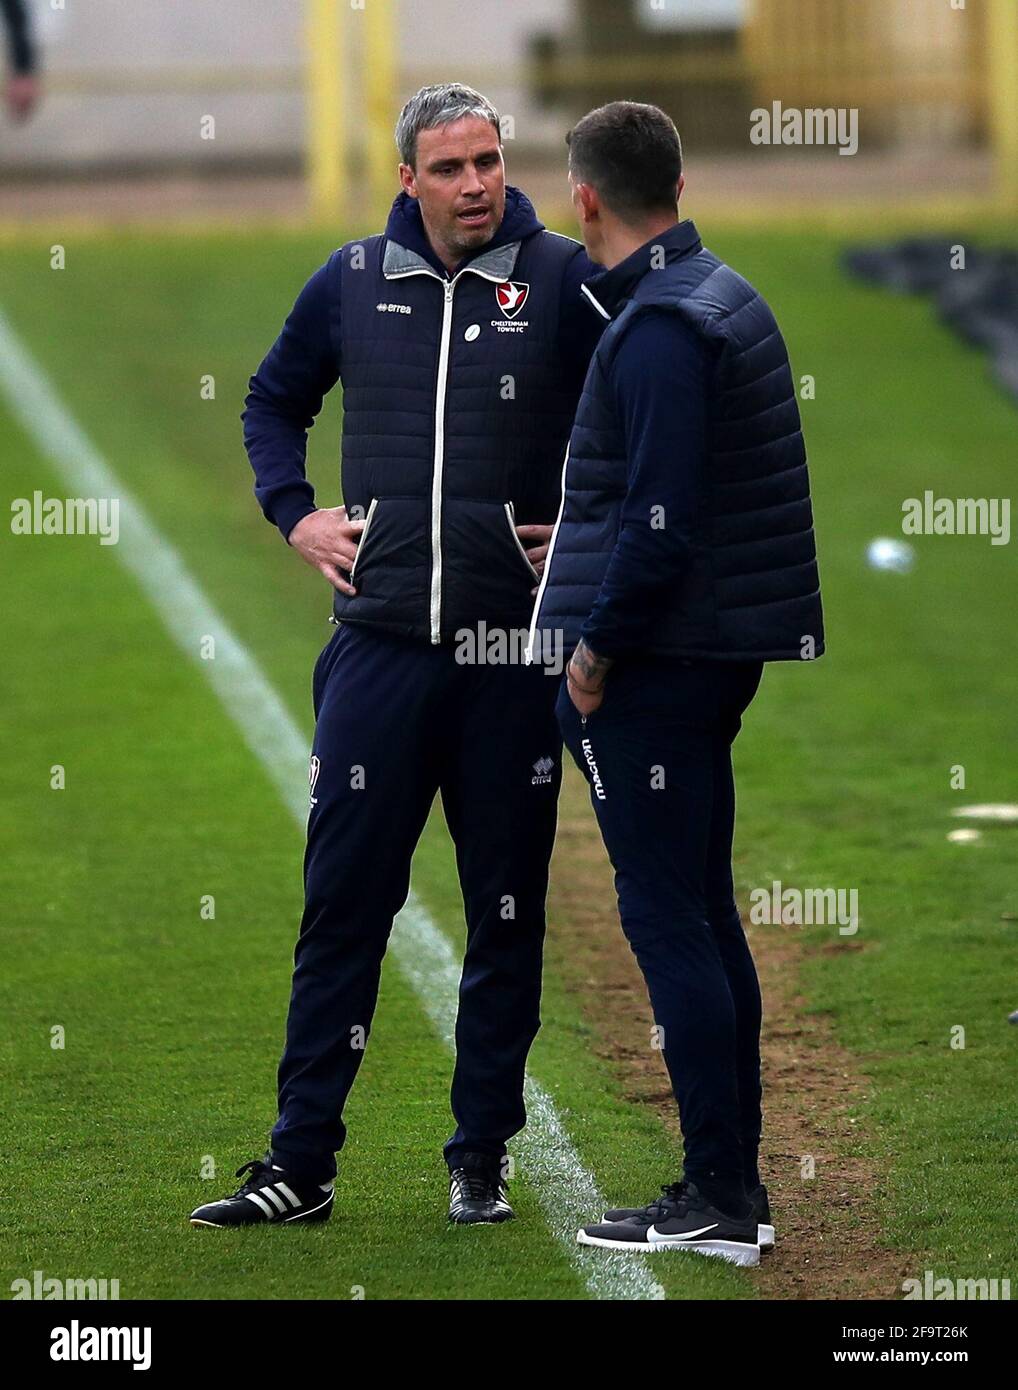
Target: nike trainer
{"x":765,"y":1235}
{"x":681,"y":1219}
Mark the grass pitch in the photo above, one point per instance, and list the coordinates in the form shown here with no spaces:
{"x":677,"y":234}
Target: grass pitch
{"x":173,"y":1023}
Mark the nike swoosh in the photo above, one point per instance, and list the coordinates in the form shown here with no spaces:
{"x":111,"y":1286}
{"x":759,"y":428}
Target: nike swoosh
{"x":653,"y":1233}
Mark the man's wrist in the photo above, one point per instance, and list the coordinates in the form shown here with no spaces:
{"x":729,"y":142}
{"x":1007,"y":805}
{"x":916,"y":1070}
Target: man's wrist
{"x":591,"y":667}
{"x":291,"y":510}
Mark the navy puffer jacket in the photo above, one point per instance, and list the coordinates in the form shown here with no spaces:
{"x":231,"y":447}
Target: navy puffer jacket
{"x":459,"y":393}
{"x":751,"y":589}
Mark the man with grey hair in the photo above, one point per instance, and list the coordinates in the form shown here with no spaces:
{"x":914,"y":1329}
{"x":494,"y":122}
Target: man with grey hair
{"x":462,"y":341}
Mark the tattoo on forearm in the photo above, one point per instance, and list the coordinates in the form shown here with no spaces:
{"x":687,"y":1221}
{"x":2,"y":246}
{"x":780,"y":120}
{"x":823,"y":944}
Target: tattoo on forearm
{"x":592,"y":668}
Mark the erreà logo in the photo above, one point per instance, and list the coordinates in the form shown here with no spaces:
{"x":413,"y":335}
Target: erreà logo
{"x":543,"y":770}
{"x":511,"y":296}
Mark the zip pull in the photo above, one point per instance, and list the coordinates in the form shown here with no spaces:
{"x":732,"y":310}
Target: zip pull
{"x":583,"y":719}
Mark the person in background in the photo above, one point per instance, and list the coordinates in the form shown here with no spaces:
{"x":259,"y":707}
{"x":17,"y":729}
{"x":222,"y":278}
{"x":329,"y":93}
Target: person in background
{"x":22,"y":86}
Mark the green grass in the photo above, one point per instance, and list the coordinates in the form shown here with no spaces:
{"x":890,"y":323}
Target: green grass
{"x":174,"y":1024}
{"x":845,"y":770}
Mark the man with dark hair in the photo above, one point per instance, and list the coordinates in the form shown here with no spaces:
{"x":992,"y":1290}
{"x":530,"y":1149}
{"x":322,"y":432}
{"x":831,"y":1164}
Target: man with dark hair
{"x":462,"y":340}
{"x":683,"y":558}
{"x":21,"y":91}
{"x":634,"y":155}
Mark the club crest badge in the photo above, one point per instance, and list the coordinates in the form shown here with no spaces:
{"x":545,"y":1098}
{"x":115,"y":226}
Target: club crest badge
{"x":511,"y":296}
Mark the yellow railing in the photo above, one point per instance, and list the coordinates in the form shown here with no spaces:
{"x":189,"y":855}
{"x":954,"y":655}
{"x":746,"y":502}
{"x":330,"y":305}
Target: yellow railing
{"x":1002,"y":54}
{"x":901,"y":62}
{"x":352,"y":65}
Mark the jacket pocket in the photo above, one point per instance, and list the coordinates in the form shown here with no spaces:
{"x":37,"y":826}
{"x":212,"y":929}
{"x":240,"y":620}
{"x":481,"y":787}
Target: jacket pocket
{"x":363,"y":536}
{"x":510,"y":512}
{"x":392,"y":567}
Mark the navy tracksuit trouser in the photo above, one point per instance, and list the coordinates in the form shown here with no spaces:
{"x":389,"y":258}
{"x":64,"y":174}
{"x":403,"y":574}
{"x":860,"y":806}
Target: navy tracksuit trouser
{"x":398,"y":721}
{"x":657,"y":756}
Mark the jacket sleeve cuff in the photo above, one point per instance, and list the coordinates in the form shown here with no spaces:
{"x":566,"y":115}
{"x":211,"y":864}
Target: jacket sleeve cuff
{"x":601,"y":643}
{"x":290,"y":508}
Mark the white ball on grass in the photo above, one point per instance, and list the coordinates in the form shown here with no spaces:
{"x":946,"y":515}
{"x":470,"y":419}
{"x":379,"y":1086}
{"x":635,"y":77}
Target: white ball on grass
{"x":884,"y":553}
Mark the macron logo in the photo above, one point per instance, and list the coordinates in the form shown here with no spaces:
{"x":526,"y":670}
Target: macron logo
{"x":595,"y":776}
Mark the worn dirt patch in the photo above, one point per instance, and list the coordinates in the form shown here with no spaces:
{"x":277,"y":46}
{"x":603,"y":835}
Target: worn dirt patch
{"x":828,"y":1227}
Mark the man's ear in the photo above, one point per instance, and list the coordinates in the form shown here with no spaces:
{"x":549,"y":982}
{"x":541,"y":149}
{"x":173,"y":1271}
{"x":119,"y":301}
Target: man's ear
{"x":681,"y":185}
{"x":408,"y":180}
{"x":590,"y":203}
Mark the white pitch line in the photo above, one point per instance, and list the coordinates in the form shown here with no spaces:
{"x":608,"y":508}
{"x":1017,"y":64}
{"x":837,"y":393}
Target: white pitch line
{"x":566,"y":1189}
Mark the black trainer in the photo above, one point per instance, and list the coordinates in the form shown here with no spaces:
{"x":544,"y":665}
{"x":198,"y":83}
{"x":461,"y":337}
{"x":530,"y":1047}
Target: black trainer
{"x":681,"y":1219}
{"x":765,"y":1235}
{"x":477,"y":1192}
{"x":270,"y":1194}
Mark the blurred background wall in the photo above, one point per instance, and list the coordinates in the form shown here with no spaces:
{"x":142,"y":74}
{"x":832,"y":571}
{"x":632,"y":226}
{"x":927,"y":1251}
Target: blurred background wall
{"x":127,"y":82}
{"x":127,"y":86}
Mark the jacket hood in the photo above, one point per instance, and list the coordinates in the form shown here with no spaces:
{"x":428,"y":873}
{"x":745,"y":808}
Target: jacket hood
{"x":406,"y":226}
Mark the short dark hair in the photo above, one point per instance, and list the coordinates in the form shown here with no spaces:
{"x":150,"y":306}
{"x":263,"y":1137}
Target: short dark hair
{"x":632,"y":155}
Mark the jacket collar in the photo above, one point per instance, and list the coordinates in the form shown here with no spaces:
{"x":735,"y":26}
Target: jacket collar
{"x":494,"y":264}
{"x":611,"y":289}
{"x":409,"y":252}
